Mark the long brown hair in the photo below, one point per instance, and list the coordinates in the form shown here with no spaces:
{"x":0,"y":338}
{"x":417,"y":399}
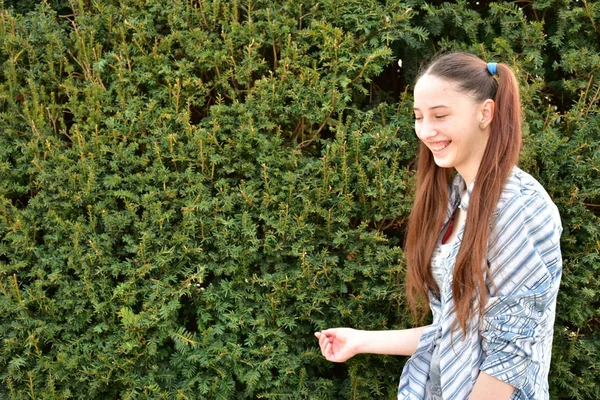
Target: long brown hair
{"x":472,"y":77}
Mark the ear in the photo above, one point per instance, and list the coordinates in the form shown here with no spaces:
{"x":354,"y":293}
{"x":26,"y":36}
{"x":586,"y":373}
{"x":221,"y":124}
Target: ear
{"x":486,"y":112}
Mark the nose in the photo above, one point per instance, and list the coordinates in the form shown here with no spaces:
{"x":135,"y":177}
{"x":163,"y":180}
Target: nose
{"x":424,"y":129}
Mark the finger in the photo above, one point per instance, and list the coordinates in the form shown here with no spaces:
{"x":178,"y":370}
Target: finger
{"x":327,"y":353}
{"x":328,"y":332}
{"x":322,"y":343}
{"x":323,"y":339}
{"x":325,"y":350}
{"x":331,"y":356}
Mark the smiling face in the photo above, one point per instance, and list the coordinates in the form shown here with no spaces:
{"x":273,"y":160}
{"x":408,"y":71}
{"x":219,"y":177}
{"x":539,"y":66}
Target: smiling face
{"x":447,"y":122}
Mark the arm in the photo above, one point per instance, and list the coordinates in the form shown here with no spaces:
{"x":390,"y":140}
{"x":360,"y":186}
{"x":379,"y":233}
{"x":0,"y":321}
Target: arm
{"x":489,"y":388}
{"x":525,"y":263}
{"x":340,"y":344}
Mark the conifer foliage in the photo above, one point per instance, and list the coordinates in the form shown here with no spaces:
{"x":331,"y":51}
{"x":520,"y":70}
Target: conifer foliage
{"x":189,"y":189}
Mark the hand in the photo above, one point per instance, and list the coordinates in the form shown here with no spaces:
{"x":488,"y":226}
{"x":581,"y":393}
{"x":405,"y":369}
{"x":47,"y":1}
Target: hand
{"x":338,"y":344}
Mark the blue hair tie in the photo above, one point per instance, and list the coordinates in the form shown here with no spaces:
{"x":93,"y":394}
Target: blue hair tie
{"x":491,"y":67}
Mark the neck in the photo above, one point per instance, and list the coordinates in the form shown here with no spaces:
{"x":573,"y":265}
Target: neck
{"x":468,"y":178}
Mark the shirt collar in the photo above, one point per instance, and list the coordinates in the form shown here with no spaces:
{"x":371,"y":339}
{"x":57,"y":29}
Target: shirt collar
{"x":456,"y":191}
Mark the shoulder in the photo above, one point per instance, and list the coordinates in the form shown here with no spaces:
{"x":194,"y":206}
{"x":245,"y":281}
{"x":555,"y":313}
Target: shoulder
{"x":525,"y":197}
{"x":524,"y":245}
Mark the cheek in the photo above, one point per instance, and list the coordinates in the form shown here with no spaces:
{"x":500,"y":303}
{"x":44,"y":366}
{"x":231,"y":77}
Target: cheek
{"x":418,"y":129}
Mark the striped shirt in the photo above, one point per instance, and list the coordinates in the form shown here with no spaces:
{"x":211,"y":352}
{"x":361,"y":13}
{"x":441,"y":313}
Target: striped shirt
{"x":513,"y":340}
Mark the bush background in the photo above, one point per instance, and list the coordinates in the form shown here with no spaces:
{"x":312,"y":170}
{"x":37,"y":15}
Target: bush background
{"x":189,"y":189}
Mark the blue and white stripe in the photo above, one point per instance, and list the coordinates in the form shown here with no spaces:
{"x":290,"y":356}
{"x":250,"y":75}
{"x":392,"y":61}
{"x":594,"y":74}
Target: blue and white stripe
{"x":513,"y":340}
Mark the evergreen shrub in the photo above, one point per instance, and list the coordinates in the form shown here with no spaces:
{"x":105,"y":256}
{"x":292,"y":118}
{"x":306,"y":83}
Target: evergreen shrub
{"x":189,"y":189}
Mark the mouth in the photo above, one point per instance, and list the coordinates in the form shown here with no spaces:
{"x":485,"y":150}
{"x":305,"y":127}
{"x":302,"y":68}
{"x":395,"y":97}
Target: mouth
{"x":439,"y":146}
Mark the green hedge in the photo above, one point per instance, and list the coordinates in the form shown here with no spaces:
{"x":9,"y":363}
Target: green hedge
{"x":189,"y":189}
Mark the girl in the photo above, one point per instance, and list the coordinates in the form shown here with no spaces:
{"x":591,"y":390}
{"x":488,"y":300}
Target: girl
{"x":482,"y":247}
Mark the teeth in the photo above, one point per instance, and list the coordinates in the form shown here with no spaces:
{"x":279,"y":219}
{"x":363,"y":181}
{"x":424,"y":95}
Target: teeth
{"x":439,"y":148}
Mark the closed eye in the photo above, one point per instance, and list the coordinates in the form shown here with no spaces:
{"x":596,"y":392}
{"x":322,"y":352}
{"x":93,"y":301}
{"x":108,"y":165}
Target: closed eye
{"x":441,"y":116}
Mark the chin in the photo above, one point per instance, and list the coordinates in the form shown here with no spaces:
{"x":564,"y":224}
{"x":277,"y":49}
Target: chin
{"x":443,"y":163}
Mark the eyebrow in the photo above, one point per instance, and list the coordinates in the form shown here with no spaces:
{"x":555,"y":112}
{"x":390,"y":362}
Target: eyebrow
{"x":433,"y":108}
